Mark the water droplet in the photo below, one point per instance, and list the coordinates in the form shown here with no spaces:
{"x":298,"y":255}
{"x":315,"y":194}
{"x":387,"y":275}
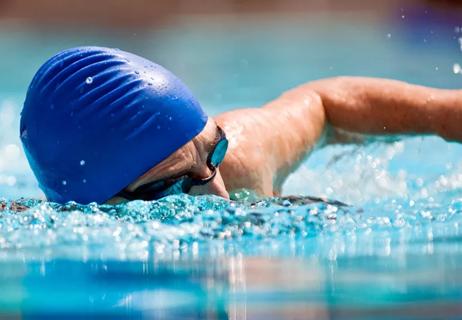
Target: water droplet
{"x":84,"y":180}
{"x":89,"y":80}
{"x":24,"y":134}
{"x":389,"y":35}
{"x":11,"y":181}
{"x":170,"y":118}
{"x":82,"y":162}
{"x":11,"y":151}
{"x":403,"y":16}
{"x":456,"y":68}
{"x":64,"y":182}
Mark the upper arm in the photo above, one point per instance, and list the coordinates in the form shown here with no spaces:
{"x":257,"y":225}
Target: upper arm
{"x":296,"y":123}
{"x":383,"y":106}
{"x":266,"y":144}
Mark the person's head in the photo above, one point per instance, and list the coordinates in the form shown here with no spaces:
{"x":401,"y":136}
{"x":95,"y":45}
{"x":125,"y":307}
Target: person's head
{"x":100,"y":124}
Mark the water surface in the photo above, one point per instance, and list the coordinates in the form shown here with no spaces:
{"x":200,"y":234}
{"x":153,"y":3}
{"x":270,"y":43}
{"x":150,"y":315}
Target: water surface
{"x":384,"y":239}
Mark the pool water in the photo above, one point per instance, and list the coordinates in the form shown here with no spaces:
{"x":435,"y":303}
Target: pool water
{"x":372,"y":231}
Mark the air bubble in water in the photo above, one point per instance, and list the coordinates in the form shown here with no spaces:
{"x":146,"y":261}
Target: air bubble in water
{"x":64,"y":182}
{"x":82,"y":162}
{"x":89,"y":80}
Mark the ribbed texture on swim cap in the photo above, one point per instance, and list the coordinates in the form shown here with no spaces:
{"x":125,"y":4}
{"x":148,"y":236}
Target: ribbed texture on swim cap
{"x":95,"y":119}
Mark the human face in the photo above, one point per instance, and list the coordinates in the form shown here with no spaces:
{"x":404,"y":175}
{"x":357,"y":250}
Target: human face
{"x":191,"y":169}
{"x":182,"y":184}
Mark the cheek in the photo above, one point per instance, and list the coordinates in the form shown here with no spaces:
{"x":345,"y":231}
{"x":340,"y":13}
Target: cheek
{"x":215,"y":187}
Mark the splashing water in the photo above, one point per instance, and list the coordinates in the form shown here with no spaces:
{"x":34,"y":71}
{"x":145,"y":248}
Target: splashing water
{"x":31,"y":227}
{"x":380,"y":181}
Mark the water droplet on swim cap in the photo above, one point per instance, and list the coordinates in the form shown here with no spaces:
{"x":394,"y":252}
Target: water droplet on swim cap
{"x":104,"y":123}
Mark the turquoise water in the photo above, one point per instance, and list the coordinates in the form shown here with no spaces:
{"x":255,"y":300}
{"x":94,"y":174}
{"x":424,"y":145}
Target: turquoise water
{"x":387,"y":243}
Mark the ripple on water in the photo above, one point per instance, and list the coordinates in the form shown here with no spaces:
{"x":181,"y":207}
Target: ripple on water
{"x":137,"y":228}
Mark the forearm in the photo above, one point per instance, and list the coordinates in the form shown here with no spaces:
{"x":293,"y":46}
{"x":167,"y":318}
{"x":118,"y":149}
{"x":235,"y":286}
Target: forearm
{"x":380,"y":106}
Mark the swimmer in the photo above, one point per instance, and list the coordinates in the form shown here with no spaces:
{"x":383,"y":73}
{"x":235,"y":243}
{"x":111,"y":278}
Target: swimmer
{"x":103,"y":125}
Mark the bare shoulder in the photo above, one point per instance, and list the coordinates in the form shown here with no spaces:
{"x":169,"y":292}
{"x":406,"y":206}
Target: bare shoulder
{"x":245,"y":164}
{"x":299,"y":117}
{"x":267,"y":143}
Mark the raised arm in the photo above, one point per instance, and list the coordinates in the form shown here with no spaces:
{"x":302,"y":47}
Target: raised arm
{"x":380,"y":106}
{"x":270,"y":141}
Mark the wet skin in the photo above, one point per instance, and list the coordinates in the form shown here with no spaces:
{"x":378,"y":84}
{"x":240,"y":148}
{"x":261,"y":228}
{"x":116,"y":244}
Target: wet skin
{"x":266,"y":144}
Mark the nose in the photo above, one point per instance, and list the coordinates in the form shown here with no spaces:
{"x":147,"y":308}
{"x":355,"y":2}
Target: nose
{"x":216,"y":187}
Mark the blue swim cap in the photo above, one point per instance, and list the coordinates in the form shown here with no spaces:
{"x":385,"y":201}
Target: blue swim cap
{"x":95,"y":119}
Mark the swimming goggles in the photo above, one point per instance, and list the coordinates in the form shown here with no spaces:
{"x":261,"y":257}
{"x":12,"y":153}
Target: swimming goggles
{"x":182,"y":184}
